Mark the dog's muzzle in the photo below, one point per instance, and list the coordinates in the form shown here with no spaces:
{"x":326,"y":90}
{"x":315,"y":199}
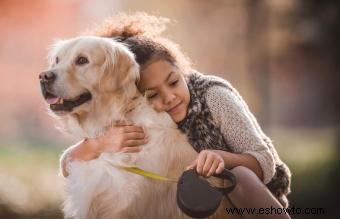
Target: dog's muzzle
{"x":56,"y":102}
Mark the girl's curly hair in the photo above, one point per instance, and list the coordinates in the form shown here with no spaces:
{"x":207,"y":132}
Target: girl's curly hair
{"x":141,"y":33}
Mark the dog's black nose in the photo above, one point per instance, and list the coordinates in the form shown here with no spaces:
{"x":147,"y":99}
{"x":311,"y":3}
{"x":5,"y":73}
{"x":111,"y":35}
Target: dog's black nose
{"x":47,"y":76}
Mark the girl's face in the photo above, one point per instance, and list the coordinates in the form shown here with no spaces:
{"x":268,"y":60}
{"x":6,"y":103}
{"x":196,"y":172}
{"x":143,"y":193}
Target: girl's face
{"x":165,"y":88}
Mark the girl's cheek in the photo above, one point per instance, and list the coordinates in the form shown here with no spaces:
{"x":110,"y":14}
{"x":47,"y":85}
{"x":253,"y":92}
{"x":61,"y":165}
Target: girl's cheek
{"x":156,"y":106}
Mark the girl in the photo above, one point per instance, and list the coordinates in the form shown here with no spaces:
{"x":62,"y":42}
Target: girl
{"x":207,"y":109}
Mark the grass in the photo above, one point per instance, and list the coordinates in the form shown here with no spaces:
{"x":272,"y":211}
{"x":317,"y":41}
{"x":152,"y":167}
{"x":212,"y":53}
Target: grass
{"x":312,"y":156}
{"x":21,"y":155}
{"x":308,"y":152}
{"x":29,"y":183}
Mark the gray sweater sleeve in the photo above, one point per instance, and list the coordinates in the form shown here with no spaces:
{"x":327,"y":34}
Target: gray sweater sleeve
{"x":239,"y":127}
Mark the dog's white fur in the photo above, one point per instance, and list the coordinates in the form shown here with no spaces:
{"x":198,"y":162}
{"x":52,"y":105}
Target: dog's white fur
{"x":96,"y":189}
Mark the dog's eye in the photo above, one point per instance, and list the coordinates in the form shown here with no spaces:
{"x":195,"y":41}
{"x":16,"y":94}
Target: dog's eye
{"x":81,"y":60}
{"x":56,"y":60}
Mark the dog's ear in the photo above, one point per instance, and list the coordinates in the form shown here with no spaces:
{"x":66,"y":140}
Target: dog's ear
{"x":121,"y":71}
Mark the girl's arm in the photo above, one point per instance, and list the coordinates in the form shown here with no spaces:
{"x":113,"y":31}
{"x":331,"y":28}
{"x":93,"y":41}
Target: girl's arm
{"x":124,"y":136}
{"x":84,"y":150}
{"x":242,"y":133}
{"x":232,"y":160}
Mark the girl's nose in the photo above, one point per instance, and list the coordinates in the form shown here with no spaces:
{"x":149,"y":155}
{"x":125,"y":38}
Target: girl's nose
{"x":168,"y":97}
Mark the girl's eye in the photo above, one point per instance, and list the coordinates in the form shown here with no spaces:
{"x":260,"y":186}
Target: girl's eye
{"x":174,"y":83}
{"x":151,"y":96}
{"x":81,"y":60}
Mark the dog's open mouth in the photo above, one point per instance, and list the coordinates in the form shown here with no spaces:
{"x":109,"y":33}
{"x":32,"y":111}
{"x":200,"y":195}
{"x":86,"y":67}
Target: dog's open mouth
{"x":58,"y":103}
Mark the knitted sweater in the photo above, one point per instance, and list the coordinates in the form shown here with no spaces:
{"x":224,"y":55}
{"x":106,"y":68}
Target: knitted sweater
{"x":218,"y":118}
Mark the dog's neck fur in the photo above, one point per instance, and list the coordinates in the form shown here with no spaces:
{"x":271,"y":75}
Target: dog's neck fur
{"x":105,"y":111}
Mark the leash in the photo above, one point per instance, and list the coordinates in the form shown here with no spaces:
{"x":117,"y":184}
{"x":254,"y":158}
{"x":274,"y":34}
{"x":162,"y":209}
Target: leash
{"x":195,"y":196}
{"x":145,"y":173}
{"x":155,"y":176}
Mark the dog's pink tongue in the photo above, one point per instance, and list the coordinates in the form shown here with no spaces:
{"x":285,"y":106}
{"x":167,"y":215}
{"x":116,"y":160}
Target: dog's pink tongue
{"x":52,"y":100}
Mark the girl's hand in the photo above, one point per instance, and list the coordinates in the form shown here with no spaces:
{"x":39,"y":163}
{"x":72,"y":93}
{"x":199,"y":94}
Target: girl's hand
{"x":208,"y":163}
{"x":122,"y":136}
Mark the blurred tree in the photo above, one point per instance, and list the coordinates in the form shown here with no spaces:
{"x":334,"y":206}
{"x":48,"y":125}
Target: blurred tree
{"x":318,"y":26}
{"x":258,"y":54}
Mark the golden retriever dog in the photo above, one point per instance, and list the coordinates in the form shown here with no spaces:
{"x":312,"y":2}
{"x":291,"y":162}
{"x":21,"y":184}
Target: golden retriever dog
{"x":91,"y":82}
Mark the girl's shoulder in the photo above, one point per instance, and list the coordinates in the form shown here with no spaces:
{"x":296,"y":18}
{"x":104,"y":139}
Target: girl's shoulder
{"x":218,"y":93}
{"x":205,"y":85}
{"x":199,"y":80}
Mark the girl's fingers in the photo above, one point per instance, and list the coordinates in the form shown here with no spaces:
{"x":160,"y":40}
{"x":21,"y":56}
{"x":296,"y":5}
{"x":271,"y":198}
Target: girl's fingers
{"x":133,"y":128}
{"x":220,"y":168}
{"x":213,"y":168}
{"x":208,"y":164}
{"x":135,"y":142}
{"x":134,"y":136}
{"x":200,"y":162}
{"x":134,"y":149}
{"x":123,"y":122}
{"x":128,"y":126}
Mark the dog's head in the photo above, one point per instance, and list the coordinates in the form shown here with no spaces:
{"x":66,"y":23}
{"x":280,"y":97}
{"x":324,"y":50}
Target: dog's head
{"x":85,"y":69}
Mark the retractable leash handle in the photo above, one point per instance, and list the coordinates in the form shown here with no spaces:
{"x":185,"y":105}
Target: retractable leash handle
{"x":227,"y":175}
{"x":197,"y":198}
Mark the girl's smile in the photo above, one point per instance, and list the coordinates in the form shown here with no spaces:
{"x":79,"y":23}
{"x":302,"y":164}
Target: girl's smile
{"x":175,"y":109}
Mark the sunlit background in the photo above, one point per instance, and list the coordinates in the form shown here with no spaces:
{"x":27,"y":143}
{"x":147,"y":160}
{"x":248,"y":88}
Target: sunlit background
{"x":282,"y":55}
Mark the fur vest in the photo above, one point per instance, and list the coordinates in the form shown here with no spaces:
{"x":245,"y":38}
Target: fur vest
{"x":203,"y":132}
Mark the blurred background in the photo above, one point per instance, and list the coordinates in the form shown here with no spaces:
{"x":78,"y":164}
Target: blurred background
{"x":282,"y":55}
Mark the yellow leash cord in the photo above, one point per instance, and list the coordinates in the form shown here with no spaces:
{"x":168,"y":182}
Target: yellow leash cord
{"x":145,"y":173}
{"x":149,"y":174}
